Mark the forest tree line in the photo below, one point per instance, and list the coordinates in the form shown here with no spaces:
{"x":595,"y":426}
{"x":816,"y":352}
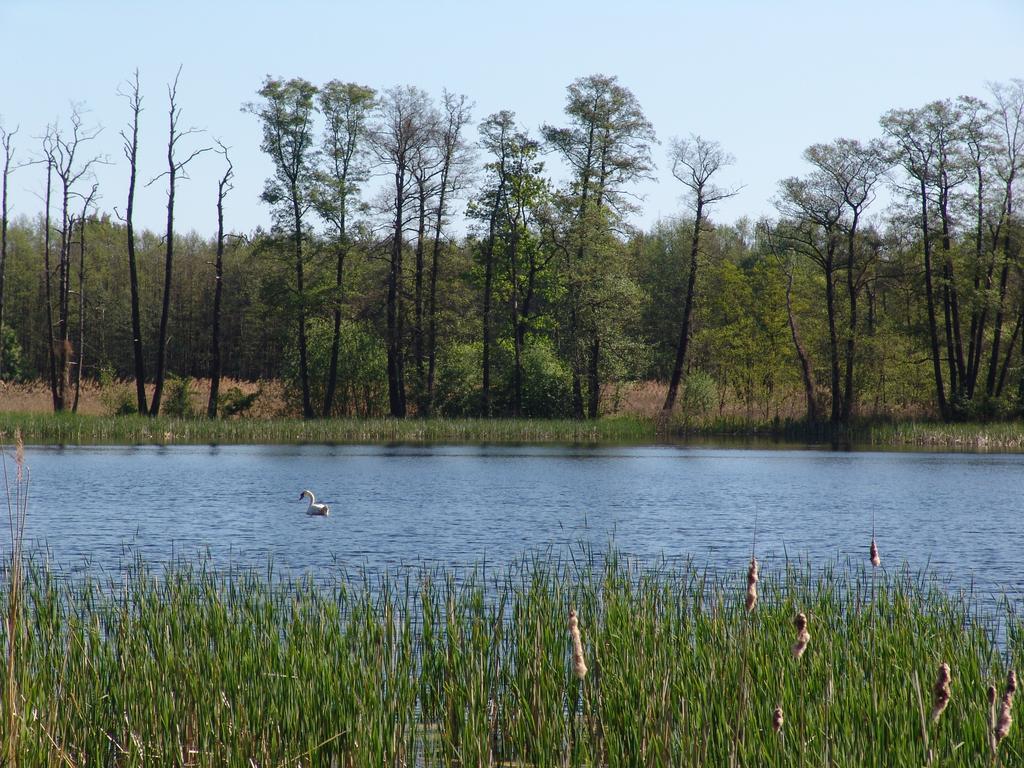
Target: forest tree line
{"x":469,"y":282}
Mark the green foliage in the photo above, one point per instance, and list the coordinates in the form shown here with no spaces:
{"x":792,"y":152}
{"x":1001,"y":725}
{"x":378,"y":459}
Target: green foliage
{"x":178,"y":395}
{"x":362,"y":369}
{"x":459,"y":382}
{"x":117,"y":397}
{"x":234,"y":402}
{"x":547,"y":381}
{"x":438,"y":666}
{"x":700,"y":394}
{"x":11,"y":363}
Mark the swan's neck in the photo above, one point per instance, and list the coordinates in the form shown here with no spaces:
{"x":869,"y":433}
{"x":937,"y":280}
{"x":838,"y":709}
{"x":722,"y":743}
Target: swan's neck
{"x":312,"y":499}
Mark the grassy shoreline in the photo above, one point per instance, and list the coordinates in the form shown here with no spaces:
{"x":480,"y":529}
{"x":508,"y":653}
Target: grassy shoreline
{"x":188,"y":665}
{"x":79,"y":429}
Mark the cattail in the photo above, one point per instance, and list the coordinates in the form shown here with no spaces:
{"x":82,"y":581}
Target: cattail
{"x":777,"y":719}
{"x":803,"y":637}
{"x":1006,"y":713}
{"x":940,"y":693}
{"x":19,"y":452}
{"x":875,"y":559}
{"x":752,"y":579}
{"x":578,"y":665}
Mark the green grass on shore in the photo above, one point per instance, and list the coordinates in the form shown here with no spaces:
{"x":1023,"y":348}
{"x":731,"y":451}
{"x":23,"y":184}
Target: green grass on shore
{"x":72,"y":429}
{"x":192,"y":667}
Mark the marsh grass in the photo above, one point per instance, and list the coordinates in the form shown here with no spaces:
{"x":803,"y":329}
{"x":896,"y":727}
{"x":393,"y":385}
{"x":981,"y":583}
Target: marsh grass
{"x":188,"y":665}
{"x":72,"y":429}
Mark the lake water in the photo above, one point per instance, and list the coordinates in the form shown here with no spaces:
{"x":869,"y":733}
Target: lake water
{"x":958,"y":513}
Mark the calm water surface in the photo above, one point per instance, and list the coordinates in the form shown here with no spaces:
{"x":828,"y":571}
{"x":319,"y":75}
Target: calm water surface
{"x":458,"y":505}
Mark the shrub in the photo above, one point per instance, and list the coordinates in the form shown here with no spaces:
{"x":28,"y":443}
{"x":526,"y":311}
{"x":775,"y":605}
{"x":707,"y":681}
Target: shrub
{"x":115,"y":394}
{"x":177,"y":400}
{"x":235,"y":402}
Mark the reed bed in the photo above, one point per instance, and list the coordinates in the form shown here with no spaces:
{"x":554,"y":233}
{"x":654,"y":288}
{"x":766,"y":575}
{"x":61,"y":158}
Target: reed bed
{"x":661,"y":664}
{"x":994,"y":436}
{"x":79,"y":429}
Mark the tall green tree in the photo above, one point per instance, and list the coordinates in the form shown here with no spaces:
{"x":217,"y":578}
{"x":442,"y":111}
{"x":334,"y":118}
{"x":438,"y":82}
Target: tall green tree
{"x":346,"y":108}
{"x":854,"y":171}
{"x":606,"y":147}
{"x":514,"y":258}
{"x":286,"y":112}
{"x":402,"y":130}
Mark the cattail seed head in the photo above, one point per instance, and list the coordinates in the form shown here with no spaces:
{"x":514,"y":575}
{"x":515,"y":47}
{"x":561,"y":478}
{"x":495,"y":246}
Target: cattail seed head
{"x":875,"y":559}
{"x":752,"y":579}
{"x":1005,"y":720}
{"x":991,"y":693}
{"x":1006,"y":711}
{"x":777,"y":719}
{"x":579,"y":667}
{"x":940,"y":693}
{"x":803,"y":637}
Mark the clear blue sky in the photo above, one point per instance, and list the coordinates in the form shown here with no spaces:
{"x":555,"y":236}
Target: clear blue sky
{"x":766,"y":79}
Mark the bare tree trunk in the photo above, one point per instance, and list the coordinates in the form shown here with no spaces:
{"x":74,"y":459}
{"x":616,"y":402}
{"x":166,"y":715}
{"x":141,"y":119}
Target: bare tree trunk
{"x":488,"y":290}
{"x":684,"y":332}
{"x":174,"y":167}
{"x":165,"y":307}
{"x":833,"y":340}
{"x":131,"y":147}
{"x":933,"y":335}
{"x":594,"y":377}
{"x":332,"y":370}
{"x":851,"y":290}
{"x":396,"y":379}
{"x":51,"y":341}
{"x":307,"y":403}
{"x":5,"y":142}
{"x":80,"y":355}
{"x":417,"y":335}
{"x":223,"y":186}
{"x":435,"y":270}
{"x":1010,"y":348}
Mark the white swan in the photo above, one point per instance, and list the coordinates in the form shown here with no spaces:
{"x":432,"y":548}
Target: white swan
{"x":315,"y":509}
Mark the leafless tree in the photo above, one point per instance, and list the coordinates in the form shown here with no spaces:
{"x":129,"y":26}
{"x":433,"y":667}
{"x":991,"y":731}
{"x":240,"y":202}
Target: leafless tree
{"x":176,"y":169}
{"x":62,"y":148}
{"x":5,"y":142}
{"x":223,"y":187}
{"x":130,"y":137}
{"x":87,"y":202}
{"x":694,"y":162}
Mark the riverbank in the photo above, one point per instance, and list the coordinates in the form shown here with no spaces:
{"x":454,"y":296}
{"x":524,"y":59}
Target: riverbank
{"x":86,"y":429}
{"x":429,"y":666}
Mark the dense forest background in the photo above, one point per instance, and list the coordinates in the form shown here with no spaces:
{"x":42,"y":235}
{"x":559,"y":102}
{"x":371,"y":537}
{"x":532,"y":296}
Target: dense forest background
{"x":423,"y":261}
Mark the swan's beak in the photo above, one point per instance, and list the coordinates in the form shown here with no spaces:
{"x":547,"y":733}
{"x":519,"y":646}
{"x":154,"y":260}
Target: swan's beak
{"x":301,"y":495}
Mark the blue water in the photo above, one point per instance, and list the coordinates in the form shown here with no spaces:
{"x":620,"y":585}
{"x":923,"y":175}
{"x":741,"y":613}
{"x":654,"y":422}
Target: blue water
{"x":957,"y":513}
